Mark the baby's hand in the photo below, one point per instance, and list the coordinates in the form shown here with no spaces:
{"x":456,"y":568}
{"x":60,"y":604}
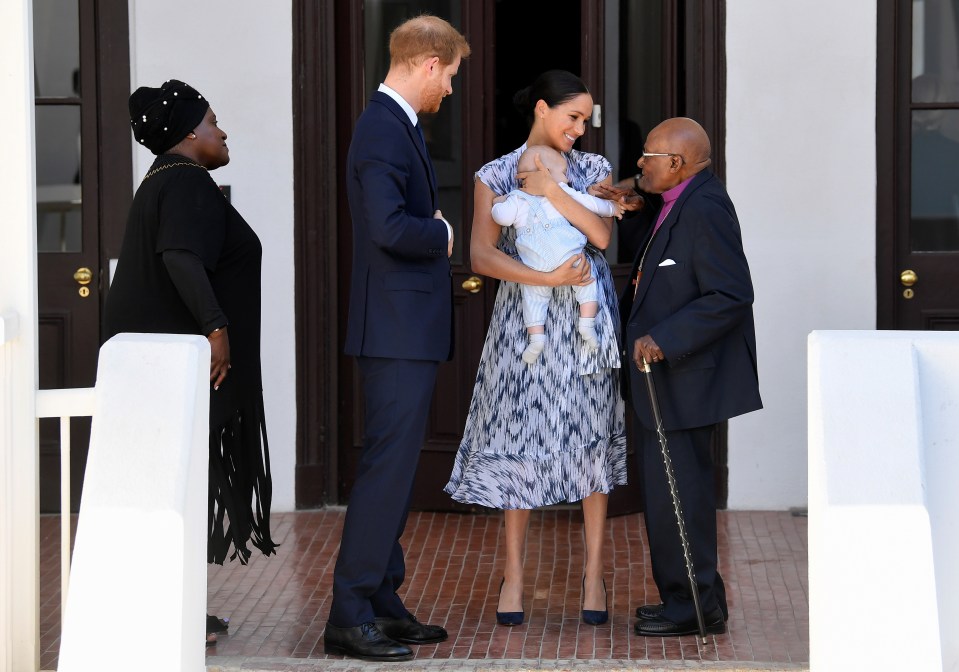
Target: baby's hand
{"x":618,"y":209}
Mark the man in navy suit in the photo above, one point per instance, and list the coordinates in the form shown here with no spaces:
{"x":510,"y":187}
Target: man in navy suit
{"x":399,"y":329}
{"x":688,"y":312}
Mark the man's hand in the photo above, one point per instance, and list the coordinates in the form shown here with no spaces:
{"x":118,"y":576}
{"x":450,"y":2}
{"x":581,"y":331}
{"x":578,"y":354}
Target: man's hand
{"x":536,"y":182}
{"x":449,"y":230}
{"x":627,"y":198}
{"x":645,"y":350}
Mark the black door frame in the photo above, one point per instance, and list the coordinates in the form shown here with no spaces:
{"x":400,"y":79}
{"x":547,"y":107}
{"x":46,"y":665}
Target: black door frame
{"x":317,"y":209}
{"x":891,"y":25}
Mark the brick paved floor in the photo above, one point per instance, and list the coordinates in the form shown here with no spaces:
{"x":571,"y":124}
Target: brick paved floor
{"x":278,"y":606}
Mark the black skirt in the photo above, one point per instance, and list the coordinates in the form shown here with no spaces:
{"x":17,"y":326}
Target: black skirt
{"x":240,"y":486}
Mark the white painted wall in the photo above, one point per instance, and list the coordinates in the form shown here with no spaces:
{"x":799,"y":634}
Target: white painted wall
{"x":238,"y":54}
{"x":800,"y":166}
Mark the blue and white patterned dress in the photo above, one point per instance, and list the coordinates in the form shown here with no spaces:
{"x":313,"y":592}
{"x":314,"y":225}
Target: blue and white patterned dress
{"x":552,"y":431}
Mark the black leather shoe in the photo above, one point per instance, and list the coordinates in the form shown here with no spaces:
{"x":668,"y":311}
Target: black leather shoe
{"x":214,"y":624}
{"x":410,"y":631}
{"x":364,"y":642}
{"x":660,"y":627}
{"x":649,"y":612}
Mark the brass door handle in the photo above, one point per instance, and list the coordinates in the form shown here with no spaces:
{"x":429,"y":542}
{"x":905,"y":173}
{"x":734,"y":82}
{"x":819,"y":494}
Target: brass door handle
{"x":83,"y":276}
{"x":908,"y":278}
{"x":473,"y":284}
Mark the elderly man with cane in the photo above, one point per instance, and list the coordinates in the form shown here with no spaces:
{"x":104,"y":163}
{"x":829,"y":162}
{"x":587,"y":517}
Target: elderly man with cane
{"x":688,"y":323}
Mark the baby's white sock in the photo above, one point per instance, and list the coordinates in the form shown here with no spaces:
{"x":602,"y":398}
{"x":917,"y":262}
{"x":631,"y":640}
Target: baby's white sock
{"x":536,"y":344}
{"x":587,"y":329}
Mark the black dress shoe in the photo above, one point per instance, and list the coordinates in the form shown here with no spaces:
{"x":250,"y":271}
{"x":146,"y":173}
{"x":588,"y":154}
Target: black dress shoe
{"x":508,"y":618}
{"x":596,"y":616}
{"x":214,"y":624}
{"x":410,"y":631}
{"x":364,"y":642}
{"x":660,"y":627}
{"x":649,"y":612}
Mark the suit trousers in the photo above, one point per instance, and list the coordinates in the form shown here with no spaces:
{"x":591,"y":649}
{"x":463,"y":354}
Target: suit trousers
{"x":370,"y":567}
{"x":689,"y":451}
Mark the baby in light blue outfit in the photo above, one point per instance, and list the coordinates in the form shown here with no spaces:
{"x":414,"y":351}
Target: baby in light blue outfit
{"x":544,"y":240}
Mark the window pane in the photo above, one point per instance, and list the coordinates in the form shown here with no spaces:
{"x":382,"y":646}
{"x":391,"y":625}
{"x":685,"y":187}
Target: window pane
{"x":443,"y":130}
{"x":935,"y":51}
{"x":640,"y":79}
{"x":935,"y":181}
{"x":58,"y":178}
{"x":641,"y":28}
{"x":56,"y":48}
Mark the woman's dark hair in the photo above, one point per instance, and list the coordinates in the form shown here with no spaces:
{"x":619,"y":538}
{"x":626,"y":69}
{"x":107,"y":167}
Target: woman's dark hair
{"x":555,"y":87}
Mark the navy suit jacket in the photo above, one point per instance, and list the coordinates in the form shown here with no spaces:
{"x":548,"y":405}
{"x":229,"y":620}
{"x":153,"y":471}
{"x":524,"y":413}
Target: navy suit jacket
{"x":401,"y":294}
{"x":698,"y":309}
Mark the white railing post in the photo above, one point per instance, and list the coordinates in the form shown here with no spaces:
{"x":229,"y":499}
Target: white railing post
{"x":65,"y":404}
{"x":65,"y":475}
{"x":19,"y":454}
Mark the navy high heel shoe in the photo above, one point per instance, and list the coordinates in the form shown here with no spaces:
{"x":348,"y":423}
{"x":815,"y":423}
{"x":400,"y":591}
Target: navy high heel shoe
{"x":592,"y":616}
{"x":508,"y":617}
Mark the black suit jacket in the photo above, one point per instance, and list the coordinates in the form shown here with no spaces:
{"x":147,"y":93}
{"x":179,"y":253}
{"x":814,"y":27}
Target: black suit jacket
{"x":401,"y":293}
{"x":695,"y":299}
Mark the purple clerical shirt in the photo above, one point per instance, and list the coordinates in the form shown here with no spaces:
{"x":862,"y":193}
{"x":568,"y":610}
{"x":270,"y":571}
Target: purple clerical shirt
{"x":670,"y":196}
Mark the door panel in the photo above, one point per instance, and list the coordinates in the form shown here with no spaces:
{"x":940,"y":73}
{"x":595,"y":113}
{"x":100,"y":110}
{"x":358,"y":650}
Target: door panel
{"x":83,"y":185}
{"x":67,"y":232}
{"x":445,"y":137}
{"x":918,"y":160}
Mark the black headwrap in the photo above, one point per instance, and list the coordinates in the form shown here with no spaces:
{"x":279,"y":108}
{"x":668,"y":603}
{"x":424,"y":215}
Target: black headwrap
{"x":162,"y":117}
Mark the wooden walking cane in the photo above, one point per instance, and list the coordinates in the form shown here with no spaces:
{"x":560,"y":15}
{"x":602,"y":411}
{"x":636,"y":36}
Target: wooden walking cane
{"x":674,"y":493}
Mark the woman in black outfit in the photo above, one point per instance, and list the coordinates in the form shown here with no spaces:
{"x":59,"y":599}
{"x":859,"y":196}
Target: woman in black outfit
{"x":190,"y":264}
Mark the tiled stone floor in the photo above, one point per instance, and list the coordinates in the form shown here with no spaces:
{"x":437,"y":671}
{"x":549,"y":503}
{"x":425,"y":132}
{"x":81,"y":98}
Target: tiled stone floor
{"x":278,"y":606}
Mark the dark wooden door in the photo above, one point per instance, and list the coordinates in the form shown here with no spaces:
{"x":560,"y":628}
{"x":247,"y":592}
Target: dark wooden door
{"x":81,"y":182}
{"x":68,"y":265}
{"x":477,"y":124}
{"x":457,"y":139}
{"x":474,"y":126}
{"x":918,"y":165}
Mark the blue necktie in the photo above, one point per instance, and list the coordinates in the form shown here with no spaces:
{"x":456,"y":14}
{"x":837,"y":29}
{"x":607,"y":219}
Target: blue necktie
{"x":426,"y":151}
{"x":419,"y":132}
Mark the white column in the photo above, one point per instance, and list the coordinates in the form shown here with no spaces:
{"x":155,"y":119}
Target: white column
{"x":141,"y":537}
{"x":19,"y":479}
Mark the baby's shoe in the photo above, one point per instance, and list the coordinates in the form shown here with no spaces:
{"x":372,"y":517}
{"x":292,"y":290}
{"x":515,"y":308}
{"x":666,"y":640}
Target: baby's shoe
{"x":536,"y":344}
{"x":587,"y":329}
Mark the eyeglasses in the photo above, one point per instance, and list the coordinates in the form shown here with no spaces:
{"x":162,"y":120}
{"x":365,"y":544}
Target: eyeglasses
{"x":646,"y":155}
